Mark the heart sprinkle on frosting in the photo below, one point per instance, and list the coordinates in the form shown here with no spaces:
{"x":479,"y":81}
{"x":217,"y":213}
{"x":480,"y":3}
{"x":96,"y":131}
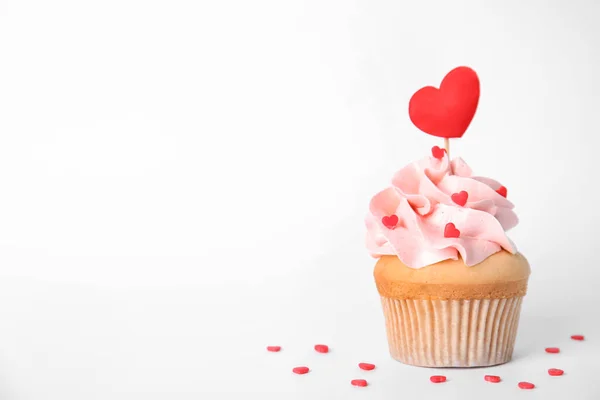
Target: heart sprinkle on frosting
{"x":438,"y":152}
{"x":502,"y":191}
{"x":460,"y":198}
{"x":450,"y":231}
{"x":390,"y":222}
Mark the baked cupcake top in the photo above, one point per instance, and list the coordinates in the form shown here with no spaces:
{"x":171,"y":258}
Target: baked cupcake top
{"x":435,"y":208}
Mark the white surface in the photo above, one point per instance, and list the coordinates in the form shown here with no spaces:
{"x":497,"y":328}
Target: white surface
{"x":184,"y":183}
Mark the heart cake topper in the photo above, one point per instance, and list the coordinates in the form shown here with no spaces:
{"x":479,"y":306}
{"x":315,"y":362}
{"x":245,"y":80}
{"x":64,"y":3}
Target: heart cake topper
{"x":446,"y":112}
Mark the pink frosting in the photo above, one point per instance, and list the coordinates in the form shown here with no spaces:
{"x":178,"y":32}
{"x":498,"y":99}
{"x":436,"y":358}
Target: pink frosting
{"x":420,"y":196}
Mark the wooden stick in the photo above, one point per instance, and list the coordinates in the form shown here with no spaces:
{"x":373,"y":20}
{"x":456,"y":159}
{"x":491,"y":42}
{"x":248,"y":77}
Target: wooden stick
{"x":447,"y":147}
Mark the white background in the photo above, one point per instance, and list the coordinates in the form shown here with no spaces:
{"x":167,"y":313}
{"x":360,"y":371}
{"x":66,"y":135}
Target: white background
{"x":184,"y":182}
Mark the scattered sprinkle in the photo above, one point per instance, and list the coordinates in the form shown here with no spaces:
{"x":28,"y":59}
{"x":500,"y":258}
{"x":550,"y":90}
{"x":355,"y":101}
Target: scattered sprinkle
{"x":359,"y":382}
{"x":322,"y":348}
{"x":552,"y":350}
{"x":274,"y":349}
{"x":366,"y":366}
{"x":492,"y":378}
{"x":437,"y":378}
{"x":555,"y":372}
{"x":577,"y":337}
{"x":526,"y":385}
{"x":300,"y":370}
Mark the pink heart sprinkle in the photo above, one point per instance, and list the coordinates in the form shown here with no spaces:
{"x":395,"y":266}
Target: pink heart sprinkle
{"x":437,"y":378}
{"x":555,"y":372}
{"x":502,"y":191}
{"x":450,"y":231}
{"x":526,"y":385}
{"x":390,"y":221}
{"x":492,"y":378}
{"x":322,"y":348}
{"x":359,"y":382}
{"x":300,"y":370}
{"x":366,"y":366}
{"x":460,"y":198}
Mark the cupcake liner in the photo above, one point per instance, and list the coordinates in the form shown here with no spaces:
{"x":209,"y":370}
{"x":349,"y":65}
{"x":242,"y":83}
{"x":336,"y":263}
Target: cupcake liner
{"x":452,"y":333}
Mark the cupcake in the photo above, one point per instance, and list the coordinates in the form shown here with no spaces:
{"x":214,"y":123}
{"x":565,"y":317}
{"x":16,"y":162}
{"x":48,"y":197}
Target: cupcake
{"x":451,"y":282}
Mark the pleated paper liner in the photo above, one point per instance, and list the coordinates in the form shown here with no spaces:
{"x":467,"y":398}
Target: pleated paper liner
{"x":452,"y":333}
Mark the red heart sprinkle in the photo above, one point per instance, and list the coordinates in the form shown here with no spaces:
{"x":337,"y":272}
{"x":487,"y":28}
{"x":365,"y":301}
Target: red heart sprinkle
{"x":492,"y":378}
{"x":390,"y":222}
{"x":359,"y":382}
{"x":437,"y":378}
{"x":274,"y":348}
{"x":553,"y":350}
{"x":526,"y":385}
{"x":502,"y":191}
{"x":438,"y":152}
{"x":555,"y":372}
{"x":460,"y":198}
{"x":450,"y":231}
{"x":366,"y":366}
{"x":447,"y":111}
{"x":300,"y":370}
{"x":577,"y":337}
{"x":322,"y":348}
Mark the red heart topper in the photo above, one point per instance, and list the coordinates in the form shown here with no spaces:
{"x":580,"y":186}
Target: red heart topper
{"x":447,"y":111}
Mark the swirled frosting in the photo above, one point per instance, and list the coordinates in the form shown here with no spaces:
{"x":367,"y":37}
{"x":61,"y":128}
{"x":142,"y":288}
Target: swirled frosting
{"x":410,"y":219}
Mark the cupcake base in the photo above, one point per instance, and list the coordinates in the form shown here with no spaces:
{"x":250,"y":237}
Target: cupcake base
{"x":452,"y":333}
